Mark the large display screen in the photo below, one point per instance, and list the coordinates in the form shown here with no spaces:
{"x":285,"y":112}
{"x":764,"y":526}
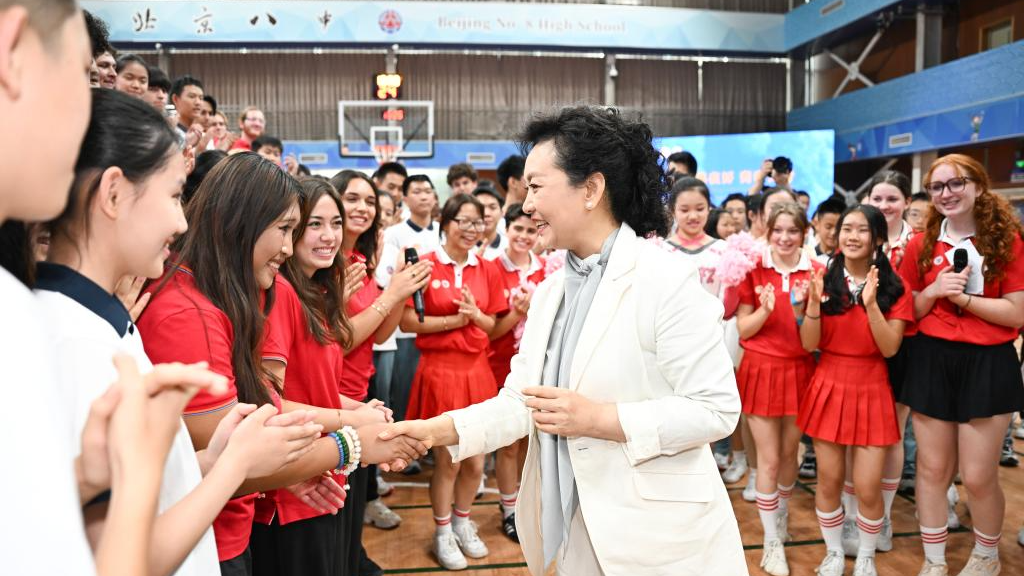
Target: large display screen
{"x":728,"y":163}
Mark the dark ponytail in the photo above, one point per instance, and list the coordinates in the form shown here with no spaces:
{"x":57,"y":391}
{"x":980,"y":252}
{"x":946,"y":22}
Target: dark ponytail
{"x":890,"y":287}
{"x":592,"y":139}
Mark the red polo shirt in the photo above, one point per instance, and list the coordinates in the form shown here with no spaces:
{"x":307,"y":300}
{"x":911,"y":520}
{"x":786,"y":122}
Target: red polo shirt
{"x":511,"y":277}
{"x":779,"y":336}
{"x":312,"y":377}
{"x":943,"y":320}
{"x":180,"y":324}
{"x":445,"y":286}
{"x":355,"y":377}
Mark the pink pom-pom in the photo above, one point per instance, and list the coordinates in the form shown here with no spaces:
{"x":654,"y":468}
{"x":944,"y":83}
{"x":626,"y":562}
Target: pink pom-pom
{"x":742,"y":253}
{"x":554,"y":262}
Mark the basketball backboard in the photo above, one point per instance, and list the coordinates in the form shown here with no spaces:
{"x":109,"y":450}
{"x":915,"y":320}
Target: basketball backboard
{"x":386,"y":130}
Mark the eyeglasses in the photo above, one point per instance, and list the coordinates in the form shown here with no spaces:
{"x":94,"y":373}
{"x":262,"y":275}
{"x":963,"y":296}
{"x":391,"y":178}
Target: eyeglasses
{"x":465,"y":225}
{"x":955,"y":185}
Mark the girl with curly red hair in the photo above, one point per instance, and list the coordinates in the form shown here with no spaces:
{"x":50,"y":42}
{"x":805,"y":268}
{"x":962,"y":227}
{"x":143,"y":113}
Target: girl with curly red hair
{"x":963,"y":379}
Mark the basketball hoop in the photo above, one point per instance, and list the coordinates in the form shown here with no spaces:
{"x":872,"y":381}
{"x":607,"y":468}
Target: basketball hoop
{"x":386,"y":131}
{"x":384,"y":152}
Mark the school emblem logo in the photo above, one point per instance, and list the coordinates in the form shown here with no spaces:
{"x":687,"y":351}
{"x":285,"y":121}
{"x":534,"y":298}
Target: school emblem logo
{"x":390,"y":21}
{"x":435,"y":284}
{"x":938,"y":260}
{"x":446,"y":284}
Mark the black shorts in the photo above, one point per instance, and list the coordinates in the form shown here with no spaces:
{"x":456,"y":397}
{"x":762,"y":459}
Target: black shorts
{"x":240,"y":565}
{"x":898,"y":367}
{"x":958,"y":381}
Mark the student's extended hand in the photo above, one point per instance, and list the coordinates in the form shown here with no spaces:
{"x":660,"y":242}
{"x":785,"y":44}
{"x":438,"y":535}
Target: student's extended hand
{"x":392,"y":455}
{"x":320,"y":493}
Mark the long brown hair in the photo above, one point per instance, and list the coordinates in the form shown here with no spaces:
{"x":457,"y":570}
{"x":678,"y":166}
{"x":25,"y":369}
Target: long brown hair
{"x":996,"y":223}
{"x":238,"y":200}
{"x":320,"y":296}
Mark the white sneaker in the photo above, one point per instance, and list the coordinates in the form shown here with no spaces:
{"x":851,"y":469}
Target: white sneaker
{"x":980,"y":566}
{"x":480,"y":489}
{"x":737,"y":468}
{"x":851,"y":537}
{"x":447,"y":551}
{"x":865,"y":566}
{"x":722,"y":460}
{"x":379,"y":515}
{"x":884,"y":543}
{"x":832,"y":565}
{"x":782,"y":526}
{"x":750,"y":491}
{"x":384,"y":488}
{"x":953,"y":497}
{"x":469,"y":541}
{"x":931,"y":569}
{"x":1018,"y":433}
{"x":774,"y":559}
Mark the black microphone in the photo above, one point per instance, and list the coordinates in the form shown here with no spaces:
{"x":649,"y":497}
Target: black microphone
{"x":959,"y":263}
{"x":959,"y":260}
{"x":417,"y":297}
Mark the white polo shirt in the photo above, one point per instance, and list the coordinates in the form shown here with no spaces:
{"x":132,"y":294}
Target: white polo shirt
{"x":409,"y":235}
{"x":42,"y":531}
{"x":89,"y":326}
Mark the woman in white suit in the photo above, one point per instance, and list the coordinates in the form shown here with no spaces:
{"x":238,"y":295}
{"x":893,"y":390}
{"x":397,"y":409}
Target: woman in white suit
{"x":622,"y":377}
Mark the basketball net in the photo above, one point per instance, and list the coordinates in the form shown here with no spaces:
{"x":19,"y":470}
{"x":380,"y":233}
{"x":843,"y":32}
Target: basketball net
{"x":384,"y":153}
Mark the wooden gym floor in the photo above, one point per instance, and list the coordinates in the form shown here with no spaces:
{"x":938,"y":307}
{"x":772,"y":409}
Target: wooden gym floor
{"x":406,"y":549}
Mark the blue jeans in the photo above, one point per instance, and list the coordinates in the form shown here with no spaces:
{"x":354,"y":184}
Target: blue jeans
{"x":383,"y":368}
{"x":407,"y":358}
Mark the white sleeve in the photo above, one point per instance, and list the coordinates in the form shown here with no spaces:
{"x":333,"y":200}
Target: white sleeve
{"x":693,"y":359}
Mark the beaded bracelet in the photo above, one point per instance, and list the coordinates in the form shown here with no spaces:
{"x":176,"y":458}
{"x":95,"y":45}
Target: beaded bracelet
{"x":355,"y":449}
{"x":342,"y":456}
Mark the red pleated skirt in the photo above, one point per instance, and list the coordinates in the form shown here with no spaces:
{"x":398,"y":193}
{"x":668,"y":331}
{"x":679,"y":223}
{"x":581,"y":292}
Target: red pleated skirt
{"x":849,"y":402}
{"x":449,"y":380}
{"x":771,"y":386}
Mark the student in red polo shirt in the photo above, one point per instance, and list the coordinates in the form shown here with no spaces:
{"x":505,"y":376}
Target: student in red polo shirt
{"x":98,"y":240}
{"x":848,"y":405}
{"x":375,"y":315}
{"x":520,"y":271}
{"x":461,"y":302}
{"x":212,"y":307}
{"x":298,"y":530}
{"x":775,"y":370}
{"x":963,"y":379}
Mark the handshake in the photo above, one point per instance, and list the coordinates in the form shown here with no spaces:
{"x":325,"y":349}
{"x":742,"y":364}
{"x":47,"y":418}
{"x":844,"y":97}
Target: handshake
{"x":400,"y":442}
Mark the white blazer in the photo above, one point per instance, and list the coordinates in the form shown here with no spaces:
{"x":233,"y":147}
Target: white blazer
{"x":652,"y":343}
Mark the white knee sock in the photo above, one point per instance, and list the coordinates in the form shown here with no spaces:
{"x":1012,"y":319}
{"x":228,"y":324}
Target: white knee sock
{"x":831,"y":524}
{"x":768,"y":510}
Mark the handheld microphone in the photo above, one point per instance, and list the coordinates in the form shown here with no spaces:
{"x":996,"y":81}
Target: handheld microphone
{"x":959,"y":263}
{"x":417,"y":297}
{"x":959,"y":260}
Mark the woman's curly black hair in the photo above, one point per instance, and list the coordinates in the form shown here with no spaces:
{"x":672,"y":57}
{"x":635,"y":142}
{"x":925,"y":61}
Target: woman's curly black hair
{"x":890,"y":286}
{"x":592,"y":139}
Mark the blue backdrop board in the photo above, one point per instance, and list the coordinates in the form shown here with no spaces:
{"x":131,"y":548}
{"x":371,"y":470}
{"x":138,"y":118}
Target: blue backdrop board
{"x":727,"y":162}
{"x":483,"y":154}
{"x":575,"y":26}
